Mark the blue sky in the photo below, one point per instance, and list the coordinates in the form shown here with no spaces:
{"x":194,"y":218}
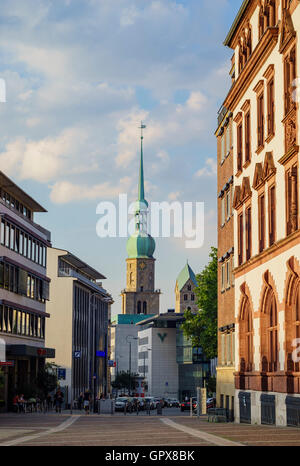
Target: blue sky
{"x":80,"y":76}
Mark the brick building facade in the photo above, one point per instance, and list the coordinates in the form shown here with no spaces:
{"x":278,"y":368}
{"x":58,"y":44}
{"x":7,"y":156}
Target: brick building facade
{"x":262,"y":99}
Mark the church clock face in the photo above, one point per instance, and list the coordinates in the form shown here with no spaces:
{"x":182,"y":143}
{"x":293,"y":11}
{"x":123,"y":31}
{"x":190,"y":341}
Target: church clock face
{"x":142,"y":265}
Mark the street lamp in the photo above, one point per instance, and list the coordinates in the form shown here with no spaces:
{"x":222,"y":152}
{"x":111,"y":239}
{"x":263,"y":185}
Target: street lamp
{"x":130,"y":337}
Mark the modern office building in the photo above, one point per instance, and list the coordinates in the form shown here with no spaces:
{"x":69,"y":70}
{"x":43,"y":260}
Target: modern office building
{"x":157,"y":355}
{"x":264,"y":38}
{"x":226,"y":318}
{"x":24,"y":291}
{"x":79,"y":307}
{"x":124,"y":343}
{"x":172,"y":368}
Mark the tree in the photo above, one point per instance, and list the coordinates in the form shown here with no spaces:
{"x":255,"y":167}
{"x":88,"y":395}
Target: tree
{"x":47,"y":379}
{"x":202,"y":328}
{"x":122,"y":380}
{"x":211,"y":385}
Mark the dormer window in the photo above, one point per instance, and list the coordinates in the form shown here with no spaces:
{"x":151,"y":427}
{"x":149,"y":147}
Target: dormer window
{"x":267,"y":17}
{"x":245,"y":47}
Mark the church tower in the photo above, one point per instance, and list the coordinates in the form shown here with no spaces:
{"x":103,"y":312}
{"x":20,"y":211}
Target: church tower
{"x":140,"y":296}
{"x":185,"y":297}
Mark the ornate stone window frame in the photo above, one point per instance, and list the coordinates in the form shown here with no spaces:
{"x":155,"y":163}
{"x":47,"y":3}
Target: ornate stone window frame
{"x":246,"y":109}
{"x":269,"y":75}
{"x":239,"y":149}
{"x":259,"y":90}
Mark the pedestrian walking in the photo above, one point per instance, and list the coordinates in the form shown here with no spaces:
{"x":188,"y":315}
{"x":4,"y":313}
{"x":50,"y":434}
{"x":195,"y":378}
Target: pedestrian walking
{"x":80,"y":401}
{"x":86,"y":401}
{"x":59,"y":398}
{"x":49,"y":402}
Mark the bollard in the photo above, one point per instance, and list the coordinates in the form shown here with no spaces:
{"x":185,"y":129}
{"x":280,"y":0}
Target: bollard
{"x":99,"y":404}
{"x":159,"y":409}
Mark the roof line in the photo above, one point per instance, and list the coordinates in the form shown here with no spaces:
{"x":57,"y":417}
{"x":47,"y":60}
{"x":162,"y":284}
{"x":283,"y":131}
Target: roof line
{"x":236,"y":22}
{"x":32,"y":203}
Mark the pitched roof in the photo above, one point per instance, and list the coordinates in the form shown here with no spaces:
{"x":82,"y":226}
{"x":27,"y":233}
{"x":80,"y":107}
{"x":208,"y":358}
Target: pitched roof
{"x":236,"y":22}
{"x":185,"y":275}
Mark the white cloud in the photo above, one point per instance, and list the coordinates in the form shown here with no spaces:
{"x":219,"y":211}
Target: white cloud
{"x":45,"y":159}
{"x":64,"y":192}
{"x":174,"y":196}
{"x":210,"y":168}
{"x":128,"y":16}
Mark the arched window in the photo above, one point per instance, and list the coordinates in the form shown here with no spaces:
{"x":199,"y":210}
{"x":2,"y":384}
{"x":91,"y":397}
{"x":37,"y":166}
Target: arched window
{"x":269,"y":332}
{"x":246,"y":337}
{"x":144,"y":307}
{"x":273,"y":334}
{"x":139,"y":307}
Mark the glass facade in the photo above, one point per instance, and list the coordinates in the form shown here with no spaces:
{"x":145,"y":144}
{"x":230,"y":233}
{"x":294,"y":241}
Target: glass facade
{"x":193,"y":366}
{"x":18,"y":240}
{"x":90,"y":338}
{"x":18,"y":280}
{"x":18,"y":322}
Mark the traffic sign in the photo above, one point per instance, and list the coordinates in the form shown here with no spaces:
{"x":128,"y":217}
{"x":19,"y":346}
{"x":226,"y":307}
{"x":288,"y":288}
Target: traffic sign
{"x":61,"y":373}
{"x":77,"y":354}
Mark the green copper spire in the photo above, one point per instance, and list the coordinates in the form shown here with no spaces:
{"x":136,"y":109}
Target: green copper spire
{"x":141,"y":244}
{"x":141,"y":196}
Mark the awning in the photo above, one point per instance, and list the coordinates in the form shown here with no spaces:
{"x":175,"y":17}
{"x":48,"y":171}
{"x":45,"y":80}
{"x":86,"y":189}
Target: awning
{"x":27,"y":350}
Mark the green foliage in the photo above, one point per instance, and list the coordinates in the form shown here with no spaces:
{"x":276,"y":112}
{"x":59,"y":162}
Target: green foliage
{"x":202,"y":328}
{"x":211,"y":385}
{"x":45,"y":382}
{"x":122,"y":380}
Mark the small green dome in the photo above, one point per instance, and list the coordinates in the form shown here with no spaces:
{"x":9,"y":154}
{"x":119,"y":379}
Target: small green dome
{"x":140,"y":245}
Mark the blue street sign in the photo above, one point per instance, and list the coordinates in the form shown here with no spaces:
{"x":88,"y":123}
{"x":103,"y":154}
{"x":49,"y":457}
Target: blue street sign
{"x":61,"y":374}
{"x":77,"y":354}
{"x":110,"y":363}
{"x":101,"y":354}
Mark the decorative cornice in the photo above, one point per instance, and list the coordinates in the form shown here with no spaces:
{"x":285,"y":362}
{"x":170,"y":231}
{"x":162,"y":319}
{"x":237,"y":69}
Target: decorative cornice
{"x":255,"y":62}
{"x":258,"y":179}
{"x":246,"y":105}
{"x":289,"y":155}
{"x":269,"y":72}
{"x":262,"y":257}
{"x":259,"y":86}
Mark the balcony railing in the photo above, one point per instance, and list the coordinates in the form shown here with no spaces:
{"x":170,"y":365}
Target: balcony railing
{"x":68,"y":272}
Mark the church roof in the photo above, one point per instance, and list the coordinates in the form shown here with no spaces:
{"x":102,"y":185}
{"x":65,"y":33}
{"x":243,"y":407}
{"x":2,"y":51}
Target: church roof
{"x":185,"y":275}
{"x":129,"y":319}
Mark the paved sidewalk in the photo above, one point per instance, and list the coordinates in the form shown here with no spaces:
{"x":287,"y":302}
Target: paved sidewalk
{"x":246,"y":434}
{"x":87,"y":430}
{"x":14,"y":426}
